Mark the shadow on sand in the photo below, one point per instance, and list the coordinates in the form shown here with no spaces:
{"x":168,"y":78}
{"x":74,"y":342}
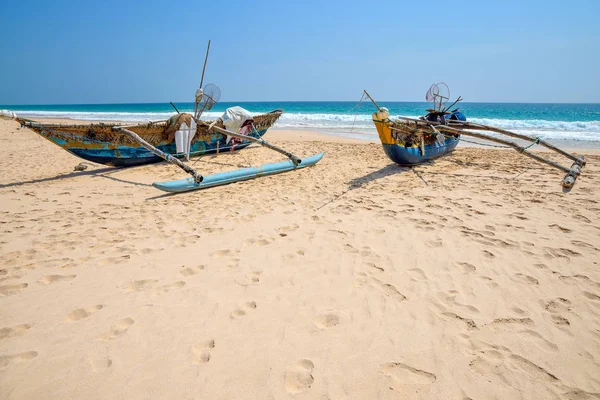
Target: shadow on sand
{"x":100,"y":172}
{"x":391,"y":169}
{"x":357,"y":183}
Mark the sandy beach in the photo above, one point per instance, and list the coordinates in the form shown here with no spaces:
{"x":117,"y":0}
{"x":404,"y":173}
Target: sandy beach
{"x":474,"y":277}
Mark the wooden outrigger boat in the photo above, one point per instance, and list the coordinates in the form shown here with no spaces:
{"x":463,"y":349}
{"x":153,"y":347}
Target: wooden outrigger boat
{"x":181,"y":136}
{"x":126,"y":137}
{"x":409,"y":141}
{"x":103,"y":144}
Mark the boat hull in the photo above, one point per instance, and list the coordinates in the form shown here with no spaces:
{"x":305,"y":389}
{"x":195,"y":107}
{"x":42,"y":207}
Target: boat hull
{"x":127,"y":156}
{"x":225,"y":178}
{"x":413,"y":155}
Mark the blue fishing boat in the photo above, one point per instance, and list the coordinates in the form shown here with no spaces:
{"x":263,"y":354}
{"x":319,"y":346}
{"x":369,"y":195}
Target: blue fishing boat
{"x":408,"y":152}
{"x":413,"y":141}
{"x":105,"y":144}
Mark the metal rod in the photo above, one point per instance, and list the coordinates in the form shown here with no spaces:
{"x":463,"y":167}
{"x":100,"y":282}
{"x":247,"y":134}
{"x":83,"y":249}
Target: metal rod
{"x":167,"y":157}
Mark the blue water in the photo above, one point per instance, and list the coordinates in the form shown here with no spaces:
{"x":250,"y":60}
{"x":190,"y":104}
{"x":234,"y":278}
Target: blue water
{"x":580,"y":122}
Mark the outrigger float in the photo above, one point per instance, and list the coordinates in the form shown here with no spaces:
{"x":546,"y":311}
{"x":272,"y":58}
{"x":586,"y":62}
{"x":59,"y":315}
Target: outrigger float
{"x":409,"y":141}
{"x":181,"y":136}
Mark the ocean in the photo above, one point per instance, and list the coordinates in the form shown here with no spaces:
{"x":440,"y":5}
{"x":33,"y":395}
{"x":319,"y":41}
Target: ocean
{"x":556,"y":122}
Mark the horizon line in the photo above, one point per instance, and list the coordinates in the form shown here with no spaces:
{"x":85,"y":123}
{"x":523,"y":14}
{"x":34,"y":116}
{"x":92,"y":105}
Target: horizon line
{"x":289,"y":101}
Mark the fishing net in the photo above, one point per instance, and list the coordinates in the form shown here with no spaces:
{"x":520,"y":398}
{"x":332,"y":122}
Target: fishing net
{"x":206,"y":98}
{"x":439,"y":94}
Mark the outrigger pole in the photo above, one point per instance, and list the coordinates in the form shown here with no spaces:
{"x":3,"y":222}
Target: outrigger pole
{"x":167,"y":157}
{"x":572,"y":173}
{"x":198,"y":178}
{"x":460,"y":128}
{"x":260,"y":141}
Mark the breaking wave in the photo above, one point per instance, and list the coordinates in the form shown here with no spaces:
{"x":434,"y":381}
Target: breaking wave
{"x":351,"y":124}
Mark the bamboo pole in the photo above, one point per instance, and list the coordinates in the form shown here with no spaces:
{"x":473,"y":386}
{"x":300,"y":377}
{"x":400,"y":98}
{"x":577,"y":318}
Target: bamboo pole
{"x":260,"y":141}
{"x":469,"y":125}
{"x":572,"y":173}
{"x":205,"y":61}
{"x":201,"y":80}
{"x":514,"y":145}
{"x":167,"y":157}
{"x":373,"y":101}
{"x":580,"y":160}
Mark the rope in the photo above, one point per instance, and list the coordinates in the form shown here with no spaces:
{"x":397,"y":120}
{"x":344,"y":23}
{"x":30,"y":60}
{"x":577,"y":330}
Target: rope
{"x":537,"y":141}
{"x":357,"y":106}
{"x":485,"y":144}
{"x":479,"y":144}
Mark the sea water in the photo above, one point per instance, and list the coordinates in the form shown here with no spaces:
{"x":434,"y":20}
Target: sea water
{"x":563,"y":122}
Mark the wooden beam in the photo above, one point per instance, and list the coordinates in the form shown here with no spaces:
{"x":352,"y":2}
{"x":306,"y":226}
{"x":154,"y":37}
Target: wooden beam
{"x":167,"y":157}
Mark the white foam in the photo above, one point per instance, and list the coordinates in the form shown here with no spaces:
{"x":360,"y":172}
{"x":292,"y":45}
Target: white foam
{"x":351,"y":124}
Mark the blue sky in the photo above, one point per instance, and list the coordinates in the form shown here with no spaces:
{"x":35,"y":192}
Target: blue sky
{"x":69,"y":52}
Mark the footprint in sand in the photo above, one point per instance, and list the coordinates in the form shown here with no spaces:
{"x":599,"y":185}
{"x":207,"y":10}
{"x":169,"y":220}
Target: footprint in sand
{"x":434,"y":243}
{"x":466,"y":267}
{"x":417,"y":274}
{"x":560,"y":320}
{"x":489,"y":282}
{"x":560,"y":304}
{"x":81,"y":313}
{"x":487,"y":362}
{"x":201,"y":351}
{"x":100,"y":363}
{"x":374,"y":268}
{"x":299,"y":378}
{"x":405,"y":374}
{"x":50,"y":279}
{"x":561,"y":228}
{"x":9,"y":290}
{"x":252,"y":278}
{"x":350,"y":249}
{"x":360,"y":279}
{"x":167,"y":288}
{"x":451,"y":316}
{"x":530,"y":280}
{"x":117,"y":330}
{"x":501,"y":322}
{"x":591,"y":296}
{"x":388,"y":289}
{"x":584,"y":245}
{"x":327,"y":320}
{"x":535,"y":372}
{"x":191,"y":270}
{"x":488,"y":254}
{"x":240,"y":312}
{"x":9,"y":359}
{"x":14,"y":331}
{"x":138,"y":286}
{"x":224,"y":253}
